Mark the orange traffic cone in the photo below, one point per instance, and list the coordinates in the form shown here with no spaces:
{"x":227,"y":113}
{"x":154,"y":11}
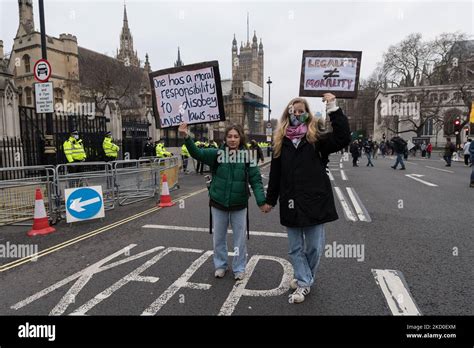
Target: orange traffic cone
{"x":165,"y":198}
{"x":40,"y":222}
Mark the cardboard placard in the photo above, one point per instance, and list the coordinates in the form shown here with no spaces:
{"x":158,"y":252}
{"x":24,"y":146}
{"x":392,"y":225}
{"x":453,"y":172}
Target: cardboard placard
{"x":334,"y":72}
{"x":189,"y":93}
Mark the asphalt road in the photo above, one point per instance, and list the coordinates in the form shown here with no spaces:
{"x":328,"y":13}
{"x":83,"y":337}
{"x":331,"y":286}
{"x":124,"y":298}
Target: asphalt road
{"x":400,"y":246}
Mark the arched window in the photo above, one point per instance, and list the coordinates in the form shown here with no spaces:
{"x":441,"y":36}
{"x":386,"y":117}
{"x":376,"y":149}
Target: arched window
{"x":26,"y":63}
{"x":28,"y":96}
{"x":428,"y":127}
{"x":20,"y":96}
{"x":58,"y":96}
{"x":457,"y":97}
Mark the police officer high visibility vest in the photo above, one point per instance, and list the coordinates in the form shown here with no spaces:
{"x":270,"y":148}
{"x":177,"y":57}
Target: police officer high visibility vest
{"x":184,"y":151}
{"x":110,"y":149}
{"x":74,"y":150}
{"x":161,"y":151}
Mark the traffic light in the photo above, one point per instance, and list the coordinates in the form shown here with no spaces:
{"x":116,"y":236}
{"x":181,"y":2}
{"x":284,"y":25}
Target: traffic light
{"x":457,"y":126}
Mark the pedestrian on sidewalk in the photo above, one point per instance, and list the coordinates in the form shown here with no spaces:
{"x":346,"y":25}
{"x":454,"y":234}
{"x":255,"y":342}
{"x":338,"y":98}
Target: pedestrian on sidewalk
{"x":423,"y":149}
{"x":429,"y":149}
{"x":355,"y":152}
{"x":228,"y":194}
{"x":369,"y":148}
{"x":376,"y":150}
{"x":399,"y":146}
{"x":449,"y":149}
{"x":298,"y":180}
{"x":471,"y":151}
{"x":467,"y":154}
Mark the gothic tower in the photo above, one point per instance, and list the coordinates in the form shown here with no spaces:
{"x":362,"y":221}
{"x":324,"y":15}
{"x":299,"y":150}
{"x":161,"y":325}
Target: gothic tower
{"x":126,"y":54}
{"x":179,"y":62}
{"x":27,"y":24}
{"x":247,"y":66}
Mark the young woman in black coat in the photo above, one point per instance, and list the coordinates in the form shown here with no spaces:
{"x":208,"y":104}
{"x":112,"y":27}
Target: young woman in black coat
{"x":298,"y":180}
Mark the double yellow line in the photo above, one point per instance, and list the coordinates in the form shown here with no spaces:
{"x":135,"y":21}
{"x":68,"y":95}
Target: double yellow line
{"x":70,"y":242}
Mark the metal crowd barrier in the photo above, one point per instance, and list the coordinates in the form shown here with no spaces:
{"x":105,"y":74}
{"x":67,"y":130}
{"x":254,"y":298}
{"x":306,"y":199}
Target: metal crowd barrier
{"x":170,"y":167}
{"x":134,"y":180}
{"x":127,"y":181}
{"x":82,"y":174}
{"x":17,"y":193}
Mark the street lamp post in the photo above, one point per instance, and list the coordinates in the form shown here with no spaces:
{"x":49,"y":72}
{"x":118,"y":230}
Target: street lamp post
{"x":269,"y":82}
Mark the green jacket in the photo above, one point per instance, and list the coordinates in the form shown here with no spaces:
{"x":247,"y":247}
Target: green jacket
{"x":228,"y":182}
{"x":110,"y":149}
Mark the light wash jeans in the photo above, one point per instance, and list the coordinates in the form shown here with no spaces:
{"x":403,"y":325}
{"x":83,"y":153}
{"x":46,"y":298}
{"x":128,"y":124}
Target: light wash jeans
{"x":238,"y":223}
{"x":306,"y":244}
{"x":399,"y":160}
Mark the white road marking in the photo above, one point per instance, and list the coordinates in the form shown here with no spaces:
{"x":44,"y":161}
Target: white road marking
{"x":239,"y":289}
{"x":346,"y":208}
{"x":358,"y":205}
{"x":417,"y":178}
{"x":132,"y":276}
{"x":442,"y":170}
{"x":396,"y":292}
{"x":181,"y":282}
{"x":341,"y":165}
{"x":95,"y":268}
{"x":206,"y":229}
{"x":343,"y":175}
{"x":330,"y":175}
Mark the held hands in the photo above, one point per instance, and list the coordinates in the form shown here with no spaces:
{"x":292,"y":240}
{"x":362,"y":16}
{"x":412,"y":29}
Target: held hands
{"x":183,"y":130}
{"x":266,"y":208}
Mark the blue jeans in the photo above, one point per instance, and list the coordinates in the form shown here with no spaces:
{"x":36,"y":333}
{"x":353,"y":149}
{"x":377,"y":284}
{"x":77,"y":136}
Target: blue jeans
{"x":369,"y":159}
{"x":306,"y":244}
{"x":447,"y":159}
{"x":238,"y":223}
{"x":399,"y":160}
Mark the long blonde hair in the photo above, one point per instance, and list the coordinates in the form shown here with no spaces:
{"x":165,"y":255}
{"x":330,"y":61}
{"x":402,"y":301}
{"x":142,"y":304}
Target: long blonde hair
{"x":315,"y":126}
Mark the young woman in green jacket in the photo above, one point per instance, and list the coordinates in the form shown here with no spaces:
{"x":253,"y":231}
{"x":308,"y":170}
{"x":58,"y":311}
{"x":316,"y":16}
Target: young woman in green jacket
{"x":232,"y":171}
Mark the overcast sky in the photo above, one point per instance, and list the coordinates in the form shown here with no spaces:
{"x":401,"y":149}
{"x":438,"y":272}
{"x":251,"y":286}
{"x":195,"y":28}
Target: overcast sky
{"x":204,"y":30}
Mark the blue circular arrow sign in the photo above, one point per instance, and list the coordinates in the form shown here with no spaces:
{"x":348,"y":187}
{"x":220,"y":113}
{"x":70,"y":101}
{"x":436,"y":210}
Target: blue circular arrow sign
{"x":84,"y":203}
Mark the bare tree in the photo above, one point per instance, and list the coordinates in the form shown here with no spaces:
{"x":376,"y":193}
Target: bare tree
{"x":446,"y":60}
{"x":403,"y":62}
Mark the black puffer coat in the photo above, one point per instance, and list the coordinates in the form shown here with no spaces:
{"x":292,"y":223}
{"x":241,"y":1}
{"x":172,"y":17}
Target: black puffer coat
{"x":298,"y":177}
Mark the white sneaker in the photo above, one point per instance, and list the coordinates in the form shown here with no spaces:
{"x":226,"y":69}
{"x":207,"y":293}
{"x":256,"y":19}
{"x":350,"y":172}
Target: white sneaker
{"x":219,"y":273}
{"x":294,"y":284}
{"x":239,"y":276}
{"x":298,"y":295}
